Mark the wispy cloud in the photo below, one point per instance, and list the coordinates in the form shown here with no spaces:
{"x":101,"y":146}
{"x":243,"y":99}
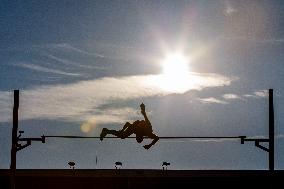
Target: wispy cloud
{"x":231,"y":96}
{"x":248,"y":95}
{"x":272,"y":40}
{"x":6,"y":105}
{"x":257,"y":94}
{"x":68,"y":48}
{"x":229,"y":10}
{"x":65,"y":47}
{"x":69,"y":62}
{"x":44,"y":69}
{"x":211,"y":100}
{"x":261,"y":93}
{"x":256,"y":40}
{"x":81,"y":101}
{"x":227,"y":98}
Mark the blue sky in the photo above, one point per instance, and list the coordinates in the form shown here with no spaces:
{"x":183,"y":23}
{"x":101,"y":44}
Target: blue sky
{"x":84,"y":65}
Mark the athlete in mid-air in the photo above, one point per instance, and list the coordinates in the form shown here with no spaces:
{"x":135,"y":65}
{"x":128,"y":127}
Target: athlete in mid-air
{"x":141,"y":128}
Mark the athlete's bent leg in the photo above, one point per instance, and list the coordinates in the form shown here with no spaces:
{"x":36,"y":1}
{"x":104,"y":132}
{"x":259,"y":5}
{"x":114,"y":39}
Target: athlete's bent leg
{"x":106,"y":131}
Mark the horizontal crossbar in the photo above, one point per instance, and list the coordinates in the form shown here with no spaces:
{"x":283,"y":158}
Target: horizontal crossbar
{"x":165,"y":137}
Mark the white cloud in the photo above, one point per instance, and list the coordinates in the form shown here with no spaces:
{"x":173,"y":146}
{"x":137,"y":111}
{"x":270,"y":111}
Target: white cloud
{"x":64,"y":47}
{"x":272,"y":40}
{"x":261,"y":93}
{"x":69,"y":48}
{"x":248,"y":95}
{"x":231,"y":96}
{"x":212,"y":100}
{"x":81,"y":101}
{"x":257,"y":94}
{"x":6,"y":106}
{"x":255,"y":40}
{"x":69,"y":62}
{"x":44,"y":69}
{"x":229,"y":10}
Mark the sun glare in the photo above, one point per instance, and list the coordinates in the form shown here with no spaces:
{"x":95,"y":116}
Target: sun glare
{"x":175,"y":64}
{"x":175,"y":73}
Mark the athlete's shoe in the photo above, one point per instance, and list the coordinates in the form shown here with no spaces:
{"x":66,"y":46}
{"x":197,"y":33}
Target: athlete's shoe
{"x":103,"y":134}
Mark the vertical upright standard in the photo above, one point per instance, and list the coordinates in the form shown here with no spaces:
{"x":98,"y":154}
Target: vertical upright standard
{"x":271,"y":131}
{"x":18,"y":143}
{"x":14,"y":139}
{"x":258,"y":141}
{"x":14,"y":131}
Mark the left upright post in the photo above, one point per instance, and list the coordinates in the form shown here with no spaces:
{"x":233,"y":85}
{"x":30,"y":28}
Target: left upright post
{"x":14,"y":138}
{"x":15,"y":130}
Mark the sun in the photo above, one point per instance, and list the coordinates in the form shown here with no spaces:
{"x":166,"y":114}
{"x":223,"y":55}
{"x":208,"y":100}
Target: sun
{"x":175,"y":64}
{"x":175,"y":74}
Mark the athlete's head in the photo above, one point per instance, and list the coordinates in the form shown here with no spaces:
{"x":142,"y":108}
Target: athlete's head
{"x":139,"y":138}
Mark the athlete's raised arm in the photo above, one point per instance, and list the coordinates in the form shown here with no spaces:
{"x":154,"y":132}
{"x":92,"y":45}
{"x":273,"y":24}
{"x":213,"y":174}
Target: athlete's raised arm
{"x":143,"y":112}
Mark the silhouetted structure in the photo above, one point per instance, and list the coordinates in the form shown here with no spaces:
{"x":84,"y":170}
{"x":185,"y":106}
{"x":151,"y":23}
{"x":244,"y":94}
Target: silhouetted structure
{"x":141,"y":128}
{"x":270,"y":140}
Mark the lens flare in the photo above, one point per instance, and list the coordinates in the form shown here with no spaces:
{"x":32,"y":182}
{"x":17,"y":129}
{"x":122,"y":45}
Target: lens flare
{"x":88,"y":126}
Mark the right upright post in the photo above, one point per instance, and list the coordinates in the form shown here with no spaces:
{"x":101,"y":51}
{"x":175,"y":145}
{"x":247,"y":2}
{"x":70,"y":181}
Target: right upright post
{"x":271,"y":131}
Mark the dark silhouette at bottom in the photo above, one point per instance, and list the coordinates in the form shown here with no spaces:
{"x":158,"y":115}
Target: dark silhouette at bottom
{"x":141,"y":128}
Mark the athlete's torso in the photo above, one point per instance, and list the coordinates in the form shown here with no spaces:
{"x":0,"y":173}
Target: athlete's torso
{"x":142,"y":128}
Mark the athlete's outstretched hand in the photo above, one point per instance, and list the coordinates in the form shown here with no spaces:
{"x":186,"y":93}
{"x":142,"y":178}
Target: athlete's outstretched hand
{"x":142,"y":106}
